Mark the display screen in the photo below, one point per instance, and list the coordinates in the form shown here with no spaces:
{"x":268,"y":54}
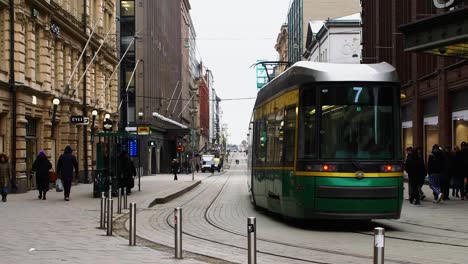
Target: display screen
{"x":133,"y":147}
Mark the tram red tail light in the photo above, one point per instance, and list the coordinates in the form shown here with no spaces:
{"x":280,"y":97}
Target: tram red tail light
{"x":390,"y":168}
{"x":327,"y":167}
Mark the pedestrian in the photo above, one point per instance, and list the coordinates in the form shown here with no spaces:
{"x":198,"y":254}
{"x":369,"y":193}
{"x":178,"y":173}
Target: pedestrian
{"x":435,"y":169}
{"x":197,"y":167}
{"x":464,"y":169}
{"x":421,"y":171}
{"x":409,"y":152}
{"x":175,"y":168}
{"x":416,"y":170}
{"x":5,"y":175}
{"x":448,"y":165}
{"x":457,"y":179}
{"x":127,"y":173}
{"x":65,"y":165}
{"x":41,"y":167}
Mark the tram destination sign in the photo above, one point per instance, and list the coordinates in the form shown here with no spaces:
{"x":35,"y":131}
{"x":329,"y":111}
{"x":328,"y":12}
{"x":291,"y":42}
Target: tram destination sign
{"x":79,"y":120}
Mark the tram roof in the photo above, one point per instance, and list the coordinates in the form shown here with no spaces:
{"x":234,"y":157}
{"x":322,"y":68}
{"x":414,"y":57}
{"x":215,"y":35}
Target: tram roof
{"x":307,"y":72}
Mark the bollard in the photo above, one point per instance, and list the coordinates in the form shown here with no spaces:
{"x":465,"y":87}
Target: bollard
{"x":103,"y":211}
{"x":125,"y":199}
{"x":119,"y":202}
{"x":132,"y":229}
{"x":178,"y":232}
{"x":379,"y":245}
{"x":252,"y":240}
{"x":110,"y":208}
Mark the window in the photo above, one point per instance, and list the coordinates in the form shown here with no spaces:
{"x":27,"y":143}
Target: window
{"x":308,"y":126}
{"x":260,"y":143}
{"x":357,"y":121}
{"x":127,"y":8}
{"x":288,"y":129}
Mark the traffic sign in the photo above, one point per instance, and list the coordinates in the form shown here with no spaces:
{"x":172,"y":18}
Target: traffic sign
{"x":107,"y":126}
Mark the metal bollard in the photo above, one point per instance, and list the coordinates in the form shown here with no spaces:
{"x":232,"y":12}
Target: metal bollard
{"x":252,"y":240}
{"x":178,"y":232}
{"x":110,"y":207}
{"x":103,"y":211}
{"x":125,"y":199}
{"x":379,"y":245}
{"x":132,"y":229}
{"x":119,"y":202}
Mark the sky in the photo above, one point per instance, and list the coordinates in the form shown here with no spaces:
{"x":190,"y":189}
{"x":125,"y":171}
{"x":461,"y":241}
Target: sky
{"x":231,"y":36}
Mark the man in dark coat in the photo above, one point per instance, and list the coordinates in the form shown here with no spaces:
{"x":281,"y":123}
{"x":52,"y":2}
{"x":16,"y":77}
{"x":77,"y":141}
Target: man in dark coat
{"x":175,"y":168}
{"x":127,"y":172}
{"x":42,"y":166}
{"x":416,"y":173}
{"x":448,"y":160}
{"x":463,"y":169}
{"x":65,"y":165}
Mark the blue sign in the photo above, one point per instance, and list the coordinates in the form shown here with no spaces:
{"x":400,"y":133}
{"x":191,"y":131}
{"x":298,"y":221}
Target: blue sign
{"x":133,"y":147}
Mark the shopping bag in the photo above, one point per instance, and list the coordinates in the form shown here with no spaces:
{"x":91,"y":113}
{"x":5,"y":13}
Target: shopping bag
{"x":52,"y":176}
{"x":58,"y":185}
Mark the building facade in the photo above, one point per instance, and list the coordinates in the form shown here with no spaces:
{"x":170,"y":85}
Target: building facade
{"x":434,"y":88}
{"x":281,"y":47}
{"x":302,"y":11}
{"x":335,"y":40}
{"x":160,"y":39}
{"x":48,"y":40}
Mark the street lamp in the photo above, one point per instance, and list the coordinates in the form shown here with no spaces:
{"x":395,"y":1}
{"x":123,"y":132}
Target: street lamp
{"x":94,"y":114}
{"x":55,"y":102}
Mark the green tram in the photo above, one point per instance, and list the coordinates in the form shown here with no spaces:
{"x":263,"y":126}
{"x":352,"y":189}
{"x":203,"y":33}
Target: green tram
{"x":325,"y":142}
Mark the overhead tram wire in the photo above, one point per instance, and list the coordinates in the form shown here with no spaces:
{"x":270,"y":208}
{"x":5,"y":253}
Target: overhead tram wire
{"x":188,"y":99}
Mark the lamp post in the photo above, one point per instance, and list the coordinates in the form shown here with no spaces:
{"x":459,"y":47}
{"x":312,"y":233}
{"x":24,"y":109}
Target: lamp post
{"x":56,"y":103}
{"x":93,"y":120}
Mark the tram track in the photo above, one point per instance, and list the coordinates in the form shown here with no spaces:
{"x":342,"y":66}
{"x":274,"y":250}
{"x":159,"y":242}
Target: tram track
{"x":241,"y":234}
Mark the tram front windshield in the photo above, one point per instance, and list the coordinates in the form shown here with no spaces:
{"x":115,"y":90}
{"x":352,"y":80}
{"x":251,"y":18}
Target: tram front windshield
{"x":356,"y":122}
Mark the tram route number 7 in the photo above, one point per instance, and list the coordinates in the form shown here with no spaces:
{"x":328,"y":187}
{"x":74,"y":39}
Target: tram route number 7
{"x":358,"y":93}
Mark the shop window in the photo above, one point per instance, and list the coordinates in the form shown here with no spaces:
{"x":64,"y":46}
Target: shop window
{"x":460,"y":128}
{"x":432,"y":137}
{"x":127,"y":8}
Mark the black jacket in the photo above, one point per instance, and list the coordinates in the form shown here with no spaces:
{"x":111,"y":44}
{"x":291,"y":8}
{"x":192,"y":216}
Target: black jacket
{"x":66,"y":163}
{"x":435,"y":163}
{"x":42,"y":166}
{"x":415,"y":168}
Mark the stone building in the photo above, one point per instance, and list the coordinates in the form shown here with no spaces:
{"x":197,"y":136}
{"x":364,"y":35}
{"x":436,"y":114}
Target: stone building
{"x":302,"y":11}
{"x":49,"y":37}
{"x":426,"y":41}
{"x":281,"y":47}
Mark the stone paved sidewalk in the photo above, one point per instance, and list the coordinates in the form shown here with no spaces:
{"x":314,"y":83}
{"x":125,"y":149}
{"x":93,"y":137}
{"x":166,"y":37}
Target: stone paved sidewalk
{"x":55,"y":231}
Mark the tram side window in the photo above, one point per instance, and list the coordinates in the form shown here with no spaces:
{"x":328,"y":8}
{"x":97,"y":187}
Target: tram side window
{"x":274,"y":138}
{"x":289,"y":133}
{"x":260,"y":142}
{"x":307,"y":138}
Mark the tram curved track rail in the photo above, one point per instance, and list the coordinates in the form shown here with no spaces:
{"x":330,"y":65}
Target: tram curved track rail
{"x":237,"y":233}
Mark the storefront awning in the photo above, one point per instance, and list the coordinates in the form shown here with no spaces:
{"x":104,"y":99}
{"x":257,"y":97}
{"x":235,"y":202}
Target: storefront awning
{"x":444,"y":35}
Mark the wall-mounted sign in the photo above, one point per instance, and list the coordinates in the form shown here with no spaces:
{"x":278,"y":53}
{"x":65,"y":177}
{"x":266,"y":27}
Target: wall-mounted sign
{"x":107,"y":126}
{"x":79,"y":120}
{"x":143,"y":130}
{"x":133,"y":147}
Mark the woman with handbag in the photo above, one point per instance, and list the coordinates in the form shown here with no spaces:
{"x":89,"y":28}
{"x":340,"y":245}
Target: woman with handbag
{"x":5,"y":175}
{"x":41,"y":167}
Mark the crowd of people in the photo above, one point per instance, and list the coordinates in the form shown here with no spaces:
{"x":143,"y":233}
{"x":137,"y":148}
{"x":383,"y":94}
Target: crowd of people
{"x":66,"y":171}
{"x":446,"y":169}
